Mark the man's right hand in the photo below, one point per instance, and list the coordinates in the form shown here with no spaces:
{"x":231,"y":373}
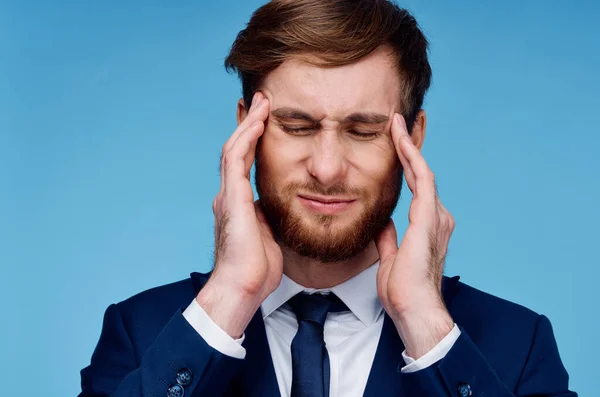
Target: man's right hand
{"x":248,"y":261}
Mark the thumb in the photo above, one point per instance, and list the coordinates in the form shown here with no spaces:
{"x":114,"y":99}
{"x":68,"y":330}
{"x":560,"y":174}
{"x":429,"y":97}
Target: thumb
{"x":387,"y":242}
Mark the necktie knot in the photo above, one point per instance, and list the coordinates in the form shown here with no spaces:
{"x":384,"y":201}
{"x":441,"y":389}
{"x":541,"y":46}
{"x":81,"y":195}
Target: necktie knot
{"x":315,"y":307}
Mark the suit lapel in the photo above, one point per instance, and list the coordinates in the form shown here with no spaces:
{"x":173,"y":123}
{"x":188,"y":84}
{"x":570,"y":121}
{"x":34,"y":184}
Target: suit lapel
{"x":384,"y":378}
{"x":256,"y":377}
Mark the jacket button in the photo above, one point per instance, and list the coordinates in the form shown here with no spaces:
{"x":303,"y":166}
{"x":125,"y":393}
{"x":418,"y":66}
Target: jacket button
{"x":175,"y":391}
{"x":464,"y":390}
{"x":184,"y":377}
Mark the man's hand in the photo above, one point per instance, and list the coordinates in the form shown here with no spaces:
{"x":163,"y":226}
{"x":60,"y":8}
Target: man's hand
{"x":410,"y":276}
{"x":248,"y":261}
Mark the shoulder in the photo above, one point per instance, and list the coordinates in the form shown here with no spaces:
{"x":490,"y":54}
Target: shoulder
{"x":162,"y":301}
{"x":481,"y":302}
{"x":484,"y":315}
{"x":143,"y":315}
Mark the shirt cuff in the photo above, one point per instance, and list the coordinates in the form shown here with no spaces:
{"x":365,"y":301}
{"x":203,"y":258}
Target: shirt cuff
{"x":212,"y":333}
{"x":434,"y":355}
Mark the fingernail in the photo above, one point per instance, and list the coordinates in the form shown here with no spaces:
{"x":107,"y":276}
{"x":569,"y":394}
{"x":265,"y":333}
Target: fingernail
{"x":397,"y":117}
{"x":402,"y":124}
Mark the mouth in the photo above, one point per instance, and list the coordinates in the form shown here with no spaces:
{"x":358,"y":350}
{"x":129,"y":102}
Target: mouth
{"x":326,"y":204}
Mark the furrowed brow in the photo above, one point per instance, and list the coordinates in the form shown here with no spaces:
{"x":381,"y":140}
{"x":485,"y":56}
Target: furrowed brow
{"x":293,"y":114}
{"x":288,"y":113}
{"x":367,"y":118}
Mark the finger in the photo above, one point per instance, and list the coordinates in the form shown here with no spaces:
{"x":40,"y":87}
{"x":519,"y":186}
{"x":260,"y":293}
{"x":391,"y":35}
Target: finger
{"x":409,"y":174}
{"x":424,"y":179}
{"x":236,"y":166}
{"x":227,"y":157}
{"x":262,"y":113}
{"x":259,"y":114}
{"x":256,"y":101}
{"x":256,"y":112}
{"x":387,"y":242}
{"x":245,"y":146}
{"x":251,"y":154}
{"x":399,"y":130}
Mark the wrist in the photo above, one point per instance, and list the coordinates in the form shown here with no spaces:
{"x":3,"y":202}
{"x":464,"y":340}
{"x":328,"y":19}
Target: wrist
{"x":423,"y":328}
{"x":228,"y":307}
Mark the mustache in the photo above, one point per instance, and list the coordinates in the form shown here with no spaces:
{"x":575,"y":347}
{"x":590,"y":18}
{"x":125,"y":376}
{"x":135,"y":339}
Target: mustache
{"x":340,"y":189}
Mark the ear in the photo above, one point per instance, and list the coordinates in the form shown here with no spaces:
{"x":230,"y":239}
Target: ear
{"x":242,"y":112}
{"x":418,"y":131}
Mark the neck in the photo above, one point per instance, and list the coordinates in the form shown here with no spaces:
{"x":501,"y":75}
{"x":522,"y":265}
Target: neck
{"x":312,"y":273}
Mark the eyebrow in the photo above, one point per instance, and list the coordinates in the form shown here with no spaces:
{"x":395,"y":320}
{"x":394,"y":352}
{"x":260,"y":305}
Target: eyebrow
{"x":357,"y":117}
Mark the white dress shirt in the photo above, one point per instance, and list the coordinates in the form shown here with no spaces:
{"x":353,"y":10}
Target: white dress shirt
{"x":351,"y":337}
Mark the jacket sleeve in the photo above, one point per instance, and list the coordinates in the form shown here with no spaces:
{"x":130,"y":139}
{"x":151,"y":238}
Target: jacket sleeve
{"x":178,"y":349}
{"x":464,"y":371}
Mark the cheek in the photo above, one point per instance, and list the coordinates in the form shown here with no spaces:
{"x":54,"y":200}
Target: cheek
{"x":280,"y":153}
{"x":285,"y":148}
{"x":374,"y":160}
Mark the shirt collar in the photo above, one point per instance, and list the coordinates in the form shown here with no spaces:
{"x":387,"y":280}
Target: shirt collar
{"x":358,"y":293}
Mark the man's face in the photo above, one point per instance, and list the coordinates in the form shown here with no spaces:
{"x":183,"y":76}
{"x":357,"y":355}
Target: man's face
{"x":327,"y":173}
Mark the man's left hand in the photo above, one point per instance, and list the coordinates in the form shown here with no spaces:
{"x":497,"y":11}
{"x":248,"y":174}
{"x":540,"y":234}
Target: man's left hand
{"x":409,"y":278}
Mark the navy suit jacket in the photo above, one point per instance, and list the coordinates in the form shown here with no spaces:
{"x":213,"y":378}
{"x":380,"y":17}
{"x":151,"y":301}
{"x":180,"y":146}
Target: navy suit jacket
{"x":504,"y":350}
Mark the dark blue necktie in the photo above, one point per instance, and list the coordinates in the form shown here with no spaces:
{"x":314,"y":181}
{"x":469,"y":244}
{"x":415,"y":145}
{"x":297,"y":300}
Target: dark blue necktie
{"x":310,"y":361}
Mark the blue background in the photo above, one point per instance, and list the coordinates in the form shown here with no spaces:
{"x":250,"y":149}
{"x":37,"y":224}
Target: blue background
{"x":113,"y":117}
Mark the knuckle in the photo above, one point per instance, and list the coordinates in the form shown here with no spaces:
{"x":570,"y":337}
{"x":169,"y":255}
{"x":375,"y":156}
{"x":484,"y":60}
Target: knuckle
{"x":227,"y":161}
{"x":430,"y":176}
{"x":219,"y":203}
{"x":451,"y":222}
{"x":253,"y":287}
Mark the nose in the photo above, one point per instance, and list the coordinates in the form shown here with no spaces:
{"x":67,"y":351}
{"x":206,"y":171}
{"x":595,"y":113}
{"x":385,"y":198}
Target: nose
{"x":328,"y":164}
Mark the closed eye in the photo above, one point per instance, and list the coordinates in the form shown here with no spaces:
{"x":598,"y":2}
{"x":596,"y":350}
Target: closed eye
{"x":298,"y":130}
{"x":306,"y":130}
{"x":363,"y":134}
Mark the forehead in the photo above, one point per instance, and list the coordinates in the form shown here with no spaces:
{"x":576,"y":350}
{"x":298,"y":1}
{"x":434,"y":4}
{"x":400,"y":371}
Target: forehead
{"x":371,"y":84}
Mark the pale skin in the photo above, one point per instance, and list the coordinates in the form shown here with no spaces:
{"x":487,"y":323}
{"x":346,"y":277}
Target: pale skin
{"x":249,"y":262}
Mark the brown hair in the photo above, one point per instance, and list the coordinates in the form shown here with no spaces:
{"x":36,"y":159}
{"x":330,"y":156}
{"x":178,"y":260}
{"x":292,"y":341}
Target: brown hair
{"x":337,"y":32}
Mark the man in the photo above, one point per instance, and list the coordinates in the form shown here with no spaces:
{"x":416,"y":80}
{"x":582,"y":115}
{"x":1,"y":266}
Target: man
{"x":310,"y":294}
